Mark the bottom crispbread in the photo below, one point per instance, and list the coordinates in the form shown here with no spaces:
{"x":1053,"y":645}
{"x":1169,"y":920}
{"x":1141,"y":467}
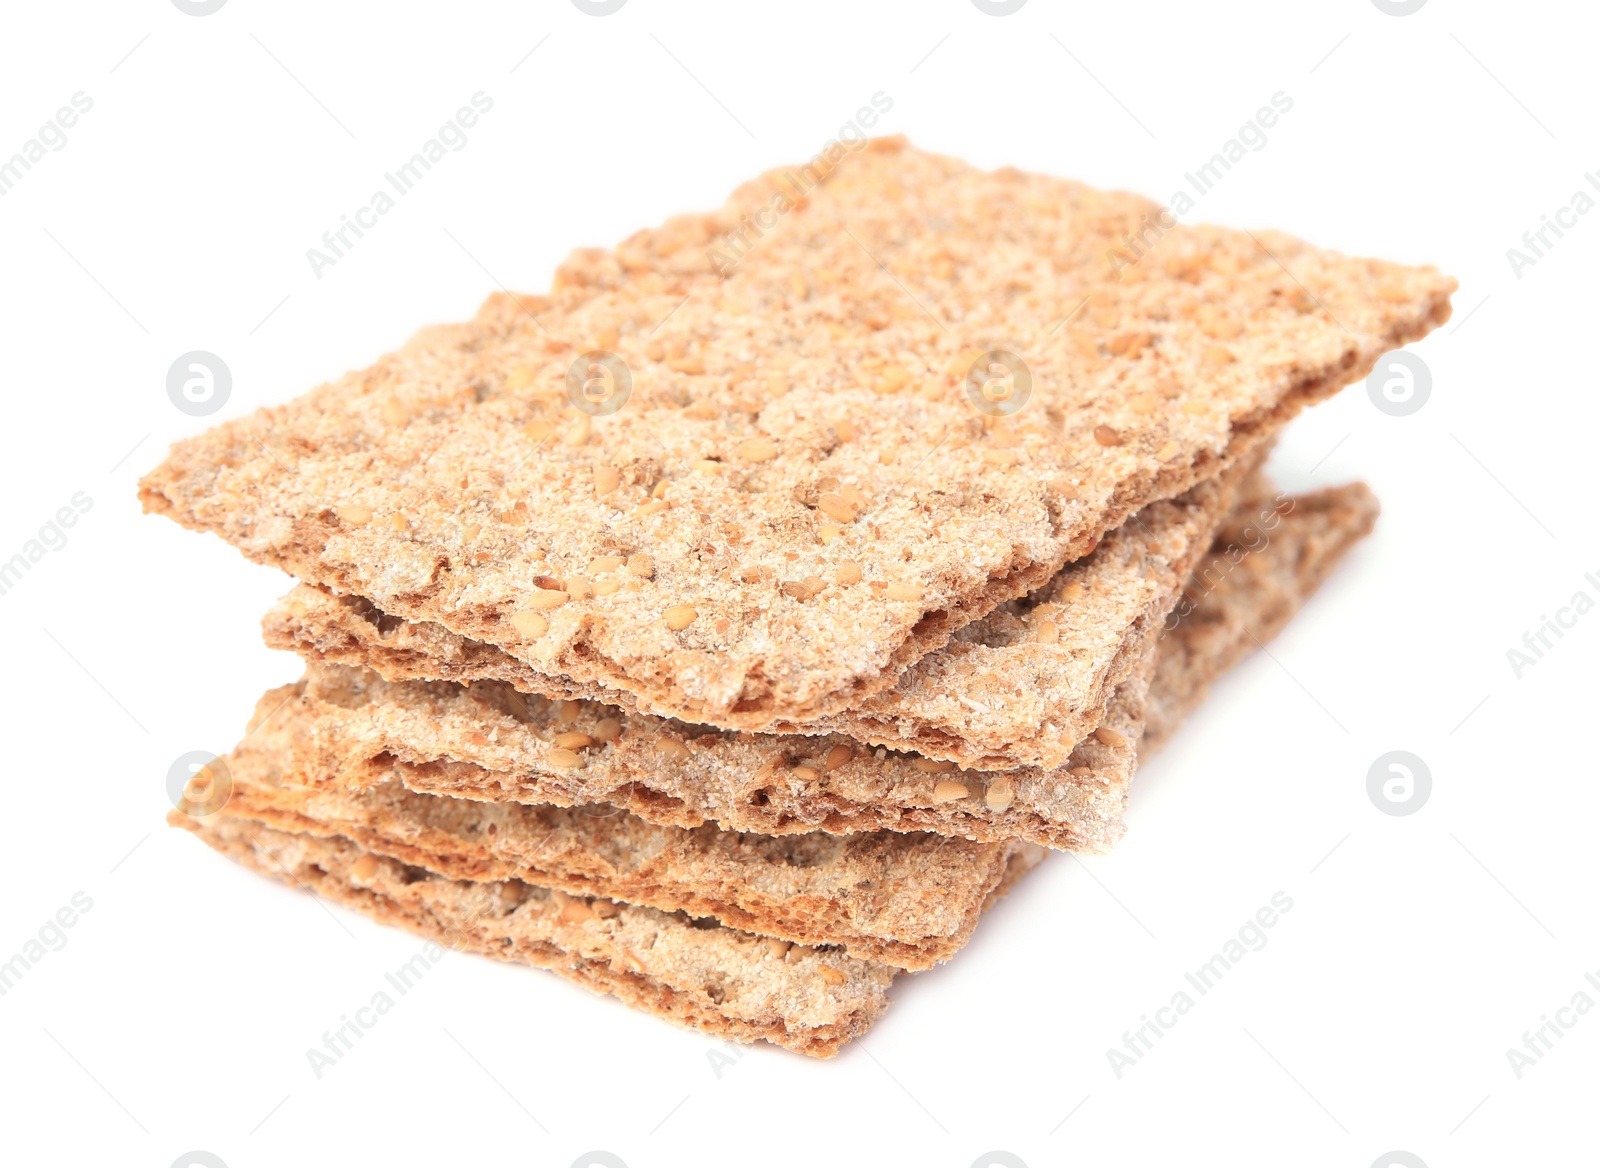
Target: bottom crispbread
{"x":727,"y":981}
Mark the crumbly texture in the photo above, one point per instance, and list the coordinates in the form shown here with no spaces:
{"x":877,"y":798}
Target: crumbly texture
{"x":697,"y":973}
{"x":801,"y":495}
{"x":489,"y":742}
{"x":1255,"y":579}
{"x":1020,"y":687}
{"x":905,"y":900}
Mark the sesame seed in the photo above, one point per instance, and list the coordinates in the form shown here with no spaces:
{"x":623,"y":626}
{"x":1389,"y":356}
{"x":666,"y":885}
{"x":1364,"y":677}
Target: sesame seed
{"x":529,"y":624}
{"x":547,"y":598}
{"x":804,"y":773}
{"x":680,"y":616}
{"x":899,"y":591}
{"x":757,"y":450}
{"x":932,"y":766}
{"x":564,"y":758}
{"x":640,"y":564}
{"x":671,"y":749}
{"x":948,"y":791}
{"x":1106,"y":436}
{"x":575,"y":912}
{"x":538,"y":431}
{"x":604,"y":564}
{"x":1109,"y":737}
{"x":832,"y":976}
{"x":578,"y":431}
{"x":606,"y":480}
{"x":572,"y":740}
{"x":837,"y":756}
{"x":607,"y":729}
{"x":999,"y":795}
{"x":1046,"y":632}
{"x":355,"y":515}
{"x":836,"y":507}
{"x":847,"y":573}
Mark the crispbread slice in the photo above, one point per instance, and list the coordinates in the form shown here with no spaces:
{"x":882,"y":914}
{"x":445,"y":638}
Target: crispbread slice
{"x":489,"y":742}
{"x":733,"y":984}
{"x":898,"y":899}
{"x":1020,"y":687}
{"x":476,"y":742}
{"x":1233,"y":603}
{"x":719,"y":979}
{"x":805,"y":492}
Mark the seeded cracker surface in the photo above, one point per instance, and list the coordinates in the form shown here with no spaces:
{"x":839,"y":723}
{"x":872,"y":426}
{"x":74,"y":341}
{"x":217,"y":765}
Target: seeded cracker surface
{"x":722,"y":980}
{"x":489,"y":743}
{"x":1019,"y":687}
{"x":801,"y":499}
{"x":903,"y":900}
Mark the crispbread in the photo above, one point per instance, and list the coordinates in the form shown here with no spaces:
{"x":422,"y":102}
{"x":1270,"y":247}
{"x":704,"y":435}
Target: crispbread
{"x":1233,"y":603}
{"x":719,"y":979}
{"x":797,"y":423}
{"x":904,"y":900}
{"x":1020,"y":687}
{"x":488,"y":742}
{"x":723,"y":981}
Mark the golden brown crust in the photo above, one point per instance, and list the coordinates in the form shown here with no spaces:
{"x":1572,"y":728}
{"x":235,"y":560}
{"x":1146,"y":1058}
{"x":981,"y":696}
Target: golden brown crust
{"x":905,"y":900}
{"x":718,"y":979}
{"x":839,"y":342}
{"x":715,"y":979}
{"x":1019,"y":687}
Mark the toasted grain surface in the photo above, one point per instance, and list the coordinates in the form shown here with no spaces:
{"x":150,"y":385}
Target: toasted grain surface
{"x":1019,"y":687}
{"x":899,"y":899}
{"x":491,"y":743}
{"x":841,"y":340}
{"x":722,"y":980}
{"x":718,"y":980}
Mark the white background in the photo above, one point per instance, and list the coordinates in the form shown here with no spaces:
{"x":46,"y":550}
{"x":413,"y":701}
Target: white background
{"x":1419,"y":949}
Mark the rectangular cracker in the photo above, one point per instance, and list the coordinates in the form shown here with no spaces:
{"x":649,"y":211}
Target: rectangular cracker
{"x":722,"y":980}
{"x":1019,"y":687}
{"x":492,"y":743}
{"x":807,"y":495}
{"x":905,"y":900}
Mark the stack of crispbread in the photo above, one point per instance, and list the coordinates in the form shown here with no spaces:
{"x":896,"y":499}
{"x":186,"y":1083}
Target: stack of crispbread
{"x":727,"y":629}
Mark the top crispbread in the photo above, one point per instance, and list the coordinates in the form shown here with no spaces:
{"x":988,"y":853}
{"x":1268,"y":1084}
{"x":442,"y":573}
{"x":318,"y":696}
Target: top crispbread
{"x":806,"y":496}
